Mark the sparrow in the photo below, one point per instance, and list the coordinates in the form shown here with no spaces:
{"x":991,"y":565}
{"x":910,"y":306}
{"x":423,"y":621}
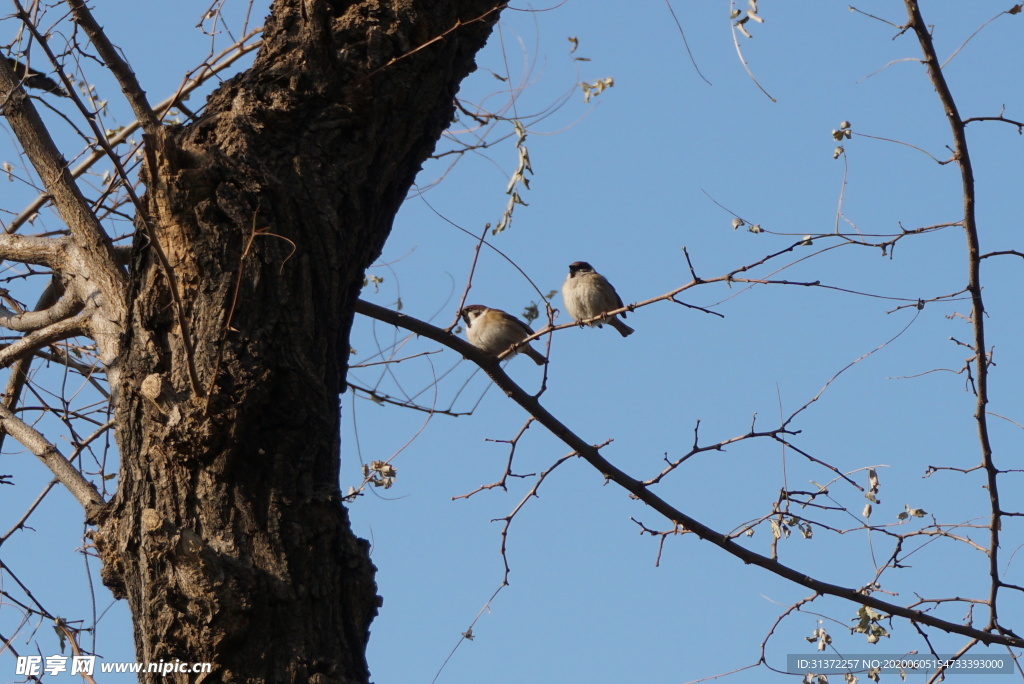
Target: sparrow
{"x":494,"y":331}
{"x":587,"y":294}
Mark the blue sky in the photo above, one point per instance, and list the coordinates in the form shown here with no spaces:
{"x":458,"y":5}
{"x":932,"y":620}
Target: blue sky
{"x":625,"y":182}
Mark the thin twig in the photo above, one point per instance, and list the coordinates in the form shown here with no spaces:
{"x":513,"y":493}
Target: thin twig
{"x":686,"y":43}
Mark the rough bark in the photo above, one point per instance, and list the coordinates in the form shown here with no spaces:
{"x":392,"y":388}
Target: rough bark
{"x":227,"y":534}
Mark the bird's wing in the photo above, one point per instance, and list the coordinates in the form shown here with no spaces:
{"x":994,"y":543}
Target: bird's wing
{"x":618,"y":299}
{"x":527,"y":329}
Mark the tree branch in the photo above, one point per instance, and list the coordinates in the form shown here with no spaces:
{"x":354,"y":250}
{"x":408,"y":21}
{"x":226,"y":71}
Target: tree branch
{"x":962,"y":155}
{"x":133,"y":92}
{"x":27,"y":321}
{"x":70,"y":327}
{"x":639,"y":490}
{"x":29,"y":250}
{"x":86,"y":230}
{"x":19,"y":369}
{"x":83,"y":490}
{"x":1012,"y":122}
{"x":219,"y":63}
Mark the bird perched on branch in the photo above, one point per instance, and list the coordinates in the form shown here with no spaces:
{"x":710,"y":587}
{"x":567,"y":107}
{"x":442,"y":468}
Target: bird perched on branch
{"x":35,"y":79}
{"x":494,"y":331}
{"x":587,"y":294}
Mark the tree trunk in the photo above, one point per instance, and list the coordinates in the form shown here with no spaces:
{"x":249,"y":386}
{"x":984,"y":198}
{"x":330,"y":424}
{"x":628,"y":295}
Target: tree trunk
{"x":227,"y":534}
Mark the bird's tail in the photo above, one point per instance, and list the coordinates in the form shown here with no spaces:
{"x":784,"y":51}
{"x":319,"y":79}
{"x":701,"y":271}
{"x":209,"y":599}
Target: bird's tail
{"x":623,"y":329}
{"x":537,"y":357}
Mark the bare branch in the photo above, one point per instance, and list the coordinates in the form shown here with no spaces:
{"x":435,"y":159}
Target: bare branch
{"x":469,"y":279}
{"x":1012,"y":122}
{"x":522,"y":502}
{"x":1007,"y":252}
{"x":513,"y":443}
{"x":739,"y":51}
{"x":70,"y":327}
{"x":79,"y":447}
{"x":850,"y":365}
{"x":385,"y":399}
{"x":85,"y":229}
{"x":134,"y":93}
{"x":83,"y":490}
{"x":19,"y":369}
{"x":981,"y":362}
{"x":643,"y":493}
{"x":906,"y":144}
{"x":686,"y":43}
{"x":29,"y":250}
{"x":207,"y":71}
{"x":884,"y":21}
{"x":971,"y":37}
{"x":27,"y":321}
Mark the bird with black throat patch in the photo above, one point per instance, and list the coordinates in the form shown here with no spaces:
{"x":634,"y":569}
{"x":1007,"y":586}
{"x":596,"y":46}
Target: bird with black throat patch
{"x":588,"y":294}
{"x":493,"y":331}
